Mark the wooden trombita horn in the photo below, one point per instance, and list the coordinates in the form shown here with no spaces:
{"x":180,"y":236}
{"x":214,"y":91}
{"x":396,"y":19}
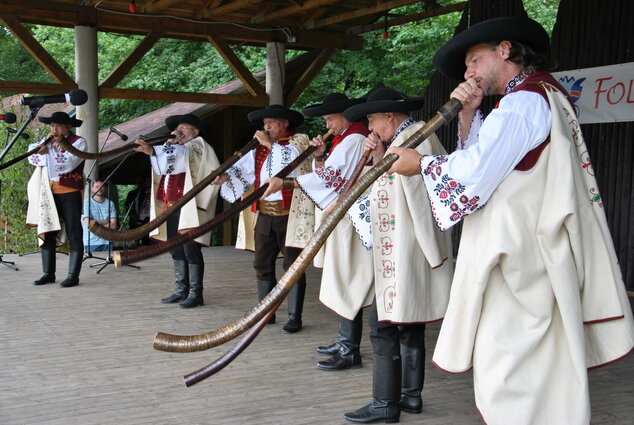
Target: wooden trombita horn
{"x":200,"y":342}
{"x":128,"y":257}
{"x":138,"y":232}
{"x":25,"y":155}
{"x":97,"y":155}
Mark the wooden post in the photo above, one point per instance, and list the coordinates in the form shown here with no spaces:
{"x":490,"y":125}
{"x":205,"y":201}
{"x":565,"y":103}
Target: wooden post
{"x":275,"y":72}
{"x":86,"y":75}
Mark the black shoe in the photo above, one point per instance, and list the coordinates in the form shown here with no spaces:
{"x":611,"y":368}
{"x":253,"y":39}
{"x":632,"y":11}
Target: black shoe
{"x":71,"y":280}
{"x":192,"y":301}
{"x":293,"y":325}
{"x":46,"y":278}
{"x":330,"y":350}
{"x":174,"y":298}
{"x":374,"y":412}
{"x":341,"y":361}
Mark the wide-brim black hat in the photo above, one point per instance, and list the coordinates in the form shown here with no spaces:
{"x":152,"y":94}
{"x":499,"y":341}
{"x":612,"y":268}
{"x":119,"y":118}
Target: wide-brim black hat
{"x":450,"y":58}
{"x":383,"y":99}
{"x":334,"y":103}
{"x":276,"y":111}
{"x":61,"y":118}
{"x":173,"y":121}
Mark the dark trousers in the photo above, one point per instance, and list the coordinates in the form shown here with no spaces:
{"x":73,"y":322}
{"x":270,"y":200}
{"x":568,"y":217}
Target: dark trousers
{"x":69,"y":209}
{"x":270,"y":237}
{"x":191,"y":251}
{"x":387,"y":337}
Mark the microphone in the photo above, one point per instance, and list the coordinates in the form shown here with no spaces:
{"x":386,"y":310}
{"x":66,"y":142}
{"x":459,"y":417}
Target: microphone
{"x":9,"y":117}
{"x":76,"y":97}
{"x":13,"y":131}
{"x":118,"y":133}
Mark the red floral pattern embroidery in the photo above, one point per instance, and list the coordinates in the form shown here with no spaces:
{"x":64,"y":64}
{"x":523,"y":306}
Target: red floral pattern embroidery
{"x":332,"y":178}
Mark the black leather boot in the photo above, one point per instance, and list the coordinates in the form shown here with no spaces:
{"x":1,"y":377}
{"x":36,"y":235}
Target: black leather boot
{"x":74,"y":267}
{"x":331,"y":349}
{"x":181,"y":275}
{"x":413,"y":376}
{"x":264,"y":287}
{"x":386,"y":388}
{"x":195,"y":297}
{"x":295,"y":307}
{"x":348,"y":356}
{"x":48,"y":267}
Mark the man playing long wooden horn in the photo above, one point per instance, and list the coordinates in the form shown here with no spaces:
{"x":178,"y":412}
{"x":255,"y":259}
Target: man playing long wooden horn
{"x":177,"y":166}
{"x":538,"y":296}
{"x":54,"y":193}
{"x":347,"y":281}
{"x":275,"y":229}
{"x":412,"y":263}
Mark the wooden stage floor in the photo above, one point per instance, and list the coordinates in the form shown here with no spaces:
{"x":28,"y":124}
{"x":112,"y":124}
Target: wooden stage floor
{"x":84,"y":356}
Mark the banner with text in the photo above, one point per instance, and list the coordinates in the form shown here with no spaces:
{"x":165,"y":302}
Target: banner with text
{"x":602,"y":94}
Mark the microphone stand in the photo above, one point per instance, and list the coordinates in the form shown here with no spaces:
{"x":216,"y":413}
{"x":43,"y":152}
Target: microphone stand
{"x":9,"y":264}
{"x":109,"y":259}
{"x":34,"y":110}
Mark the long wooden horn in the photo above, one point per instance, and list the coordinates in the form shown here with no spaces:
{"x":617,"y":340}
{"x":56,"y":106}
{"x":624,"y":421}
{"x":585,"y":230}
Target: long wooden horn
{"x":24,"y":155}
{"x":121,"y":149}
{"x":127,"y":257}
{"x":200,"y":342}
{"x":138,"y":232}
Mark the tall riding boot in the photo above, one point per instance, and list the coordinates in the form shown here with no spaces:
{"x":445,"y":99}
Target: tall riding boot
{"x":264,"y":287}
{"x":181,"y":275}
{"x":195,"y":297}
{"x":386,"y":388}
{"x":348,"y":355}
{"x":48,"y":267}
{"x":295,"y":307}
{"x":412,"y":378}
{"x":74,"y":267}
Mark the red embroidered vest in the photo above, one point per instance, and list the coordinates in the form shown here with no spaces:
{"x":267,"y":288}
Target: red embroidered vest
{"x":75,"y":178}
{"x":261,"y":153}
{"x":353,"y":128}
{"x":174,"y":189}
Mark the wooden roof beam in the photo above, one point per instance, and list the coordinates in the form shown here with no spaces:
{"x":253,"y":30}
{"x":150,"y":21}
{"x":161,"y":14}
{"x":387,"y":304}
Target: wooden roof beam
{"x":405,"y":19}
{"x":158,"y":5}
{"x":132,"y":59}
{"x":292,"y":10}
{"x":36,"y":50}
{"x":231,"y":6}
{"x":173,"y":96}
{"x":381,"y":6}
{"x":309,"y":74}
{"x":237,"y":65}
{"x":35,"y":88}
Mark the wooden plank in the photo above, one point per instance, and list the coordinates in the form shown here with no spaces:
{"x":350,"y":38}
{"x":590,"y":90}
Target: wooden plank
{"x":132,"y":59}
{"x":36,"y":50}
{"x":236,"y":65}
{"x":309,"y":74}
{"x":35,"y":88}
{"x":172,"y":96}
{"x":292,"y":10}
{"x":378,"y":8}
{"x":405,"y":19}
{"x":231,"y":6}
{"x":158,"y":5}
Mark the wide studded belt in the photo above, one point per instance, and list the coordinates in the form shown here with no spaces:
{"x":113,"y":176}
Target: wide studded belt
{"x":272,"y":208}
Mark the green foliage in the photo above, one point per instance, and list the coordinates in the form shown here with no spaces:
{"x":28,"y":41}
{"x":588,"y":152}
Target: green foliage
{"x":402,"y":61}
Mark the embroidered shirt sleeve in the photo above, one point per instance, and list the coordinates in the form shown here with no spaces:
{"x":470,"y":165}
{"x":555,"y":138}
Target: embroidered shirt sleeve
{"x":462,"y":182}
{"x":169,"y":159}
{"x":241,"y":177}
{"x":474,"y":130}
{"x":327,"y":182}
{"x":36,"y":159}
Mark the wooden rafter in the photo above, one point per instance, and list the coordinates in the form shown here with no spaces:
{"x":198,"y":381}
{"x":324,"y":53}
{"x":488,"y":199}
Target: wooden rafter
{"x":131,"y":60}
{"x":231,"y":6}
{"x":378,"y":8}
{"x":35,"y":88}
{"x":173,"y":96}
{"x":309,"y":5}
{"x":405,"y":19}
{"x":236,"y":65}
{"x":36,"y":50}
{"x":158,"y":5}
{"x":309,"y":74}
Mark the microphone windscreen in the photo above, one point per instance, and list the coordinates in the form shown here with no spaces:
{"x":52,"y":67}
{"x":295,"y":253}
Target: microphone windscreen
{"x":78,"y":96}
{"x":10,"y":118}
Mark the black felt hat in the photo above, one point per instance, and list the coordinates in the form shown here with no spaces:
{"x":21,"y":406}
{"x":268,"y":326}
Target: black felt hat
{"x":61,"y":118}
{"x":173,"y":121}
{"x":450,"y":58}
{"x":276,"y":111}
{"x":334,"y":103}
{"x":383,"y":99}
